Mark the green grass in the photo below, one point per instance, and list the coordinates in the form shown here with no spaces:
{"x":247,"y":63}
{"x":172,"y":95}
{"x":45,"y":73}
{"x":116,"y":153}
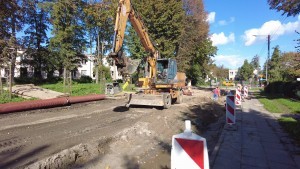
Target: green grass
{"x":291,"y":108}
{"x":292,"y":126}
{"x":78,"y":89}
{"x":4,"y":98}
{"x":278,"y":104}
{"x":293,"y":105}
{"x":81,"y":89}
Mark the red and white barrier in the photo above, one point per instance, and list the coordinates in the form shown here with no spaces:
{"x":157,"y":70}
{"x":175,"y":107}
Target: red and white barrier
{"x":189,"y":150}
{"x":238,"y":97}
{"x":230,"y":109}
{"x":245,"y":91}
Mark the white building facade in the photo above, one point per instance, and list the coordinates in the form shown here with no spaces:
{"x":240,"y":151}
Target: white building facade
{"x":232,"y":74}
{"x":85,"y":68}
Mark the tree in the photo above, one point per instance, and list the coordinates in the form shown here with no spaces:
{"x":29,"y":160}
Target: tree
{"x":298,"y":43}
{"x":255,"y":64}
{"x":163,"y":18}
{"x":246,"y":71}
{"x":68,"y":30}
{"x":133,"y":44}
{"x":274,"y":66}
{"x":11,"y":19}
{"x":195,"y":50}
{"x":36,"y":38}
{"x":219,"y":71}
{"x":289,"y":7}
{"x":290,"y":63}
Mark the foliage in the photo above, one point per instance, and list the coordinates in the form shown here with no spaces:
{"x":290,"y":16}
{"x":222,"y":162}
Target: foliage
{"x":274,"y":66}
{"x":246,"y":71}
{"x":291,"y":8}
{"x":298,"y":43}
{"x":36,"y":81}
{"x":219,"y":71}
{"x":106,"y":71}
{"x":256,"y":66}
{"x":255,"y":62}
{"x":68,"y":30}
{"x":134,"y":45}
{"x":290,"y":66}
{"x":84,"y":79}
{"x":287,"y":89}
{"x":99,"y":19}
{"x":163,"y":19}
{"x":36,"y":52}
{"x":195,"y":50}
{"x":11,"y":19}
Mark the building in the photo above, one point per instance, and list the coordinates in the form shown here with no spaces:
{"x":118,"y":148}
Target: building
{"x":85,"y":68}
{"x":232,"y":74}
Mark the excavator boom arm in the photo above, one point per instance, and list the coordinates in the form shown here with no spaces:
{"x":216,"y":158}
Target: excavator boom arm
{"x":125,"y":11}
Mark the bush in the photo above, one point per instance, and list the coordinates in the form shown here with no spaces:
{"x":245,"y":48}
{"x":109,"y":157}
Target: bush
{"x":288,"y":89}
{"x":84,"y":79}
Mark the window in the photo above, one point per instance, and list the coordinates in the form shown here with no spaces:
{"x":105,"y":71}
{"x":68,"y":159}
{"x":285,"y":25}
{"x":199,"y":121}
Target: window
{"x":84,"y":61}
{"x":83,"y":73}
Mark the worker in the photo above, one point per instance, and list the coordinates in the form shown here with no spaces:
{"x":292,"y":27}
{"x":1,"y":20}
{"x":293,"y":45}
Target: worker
{"x":216,"y":93}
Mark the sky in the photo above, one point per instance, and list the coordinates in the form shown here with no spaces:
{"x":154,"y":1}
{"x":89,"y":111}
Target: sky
{"x":233,"y":24}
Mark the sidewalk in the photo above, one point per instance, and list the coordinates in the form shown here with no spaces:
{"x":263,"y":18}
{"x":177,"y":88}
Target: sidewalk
{"x":257,"y":143}
{"x":31,"y":91}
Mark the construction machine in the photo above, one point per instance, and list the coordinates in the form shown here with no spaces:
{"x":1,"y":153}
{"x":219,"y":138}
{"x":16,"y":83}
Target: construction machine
{"x":161,"y":84}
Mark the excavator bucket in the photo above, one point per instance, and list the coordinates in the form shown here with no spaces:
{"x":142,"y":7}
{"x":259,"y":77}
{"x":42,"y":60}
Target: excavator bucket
{"x":132,"y":66}
{"x":159,"y":100}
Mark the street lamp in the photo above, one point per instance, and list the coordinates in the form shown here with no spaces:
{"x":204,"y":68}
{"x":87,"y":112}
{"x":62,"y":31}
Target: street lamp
{"x":268,"y":39}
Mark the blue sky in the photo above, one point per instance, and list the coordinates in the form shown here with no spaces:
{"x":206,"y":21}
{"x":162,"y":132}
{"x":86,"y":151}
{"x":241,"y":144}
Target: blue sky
{"x":234,"y":22}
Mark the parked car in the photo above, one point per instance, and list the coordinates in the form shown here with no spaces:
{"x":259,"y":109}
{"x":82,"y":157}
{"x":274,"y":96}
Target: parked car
{"x":228,"y":83}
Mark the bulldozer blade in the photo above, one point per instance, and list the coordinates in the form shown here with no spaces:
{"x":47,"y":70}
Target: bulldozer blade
{"x":133,"y":65}
{"x":145,"y":100}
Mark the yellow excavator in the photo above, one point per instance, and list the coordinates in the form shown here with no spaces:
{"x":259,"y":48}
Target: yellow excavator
{"x":162,"y":84}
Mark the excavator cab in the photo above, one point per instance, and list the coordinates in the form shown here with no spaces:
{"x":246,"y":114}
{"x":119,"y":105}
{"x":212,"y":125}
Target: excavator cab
{"x":166,"y":71}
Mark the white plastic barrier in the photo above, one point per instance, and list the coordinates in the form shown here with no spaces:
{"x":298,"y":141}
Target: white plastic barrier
{"x":230,"y":109}
{"x":238,"y":97}
{"x":245,"y":91}
{"x":189,"y":151}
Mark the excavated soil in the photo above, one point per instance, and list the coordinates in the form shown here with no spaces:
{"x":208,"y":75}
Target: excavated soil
{"x":145,"y":139}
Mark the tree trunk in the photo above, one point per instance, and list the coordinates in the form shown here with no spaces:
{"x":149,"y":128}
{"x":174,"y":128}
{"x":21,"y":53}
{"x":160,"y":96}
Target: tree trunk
{"x":70,"y":83}
{"x":65,"y":78}
{"x":1,"y":85}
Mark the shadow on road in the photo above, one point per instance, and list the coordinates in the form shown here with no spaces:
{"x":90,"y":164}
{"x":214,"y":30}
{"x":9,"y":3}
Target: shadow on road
{"x":12,"y":157}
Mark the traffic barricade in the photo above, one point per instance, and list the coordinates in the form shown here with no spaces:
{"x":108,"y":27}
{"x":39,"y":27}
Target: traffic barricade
{"x":189,"y":150}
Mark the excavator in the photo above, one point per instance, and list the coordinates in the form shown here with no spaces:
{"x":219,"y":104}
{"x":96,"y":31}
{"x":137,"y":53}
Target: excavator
{"x":162,"y":84}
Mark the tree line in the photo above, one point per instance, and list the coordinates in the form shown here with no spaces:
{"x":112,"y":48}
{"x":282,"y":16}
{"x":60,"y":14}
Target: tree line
{"x":178,"y":28}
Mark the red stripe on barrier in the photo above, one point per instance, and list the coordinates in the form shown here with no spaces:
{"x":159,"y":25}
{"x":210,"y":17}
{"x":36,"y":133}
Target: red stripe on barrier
{"x":230,"y":109}
{"x":190,"y":146}
{"x":231,"y":98}
{"x":229,"y":120}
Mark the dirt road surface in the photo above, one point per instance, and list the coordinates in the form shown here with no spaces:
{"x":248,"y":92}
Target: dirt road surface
{"x":105,"y":134}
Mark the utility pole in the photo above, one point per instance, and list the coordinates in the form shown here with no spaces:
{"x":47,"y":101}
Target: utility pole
{"x":269,"y":39}
{"x":268,"y":57}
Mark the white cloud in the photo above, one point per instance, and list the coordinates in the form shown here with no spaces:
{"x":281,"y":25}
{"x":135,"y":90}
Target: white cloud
{"x":224,"y":22}
{"x":229,"y":61}
{"x":273,"y":28}
{"x":222,"y":39}
{"x":211,"y":17}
